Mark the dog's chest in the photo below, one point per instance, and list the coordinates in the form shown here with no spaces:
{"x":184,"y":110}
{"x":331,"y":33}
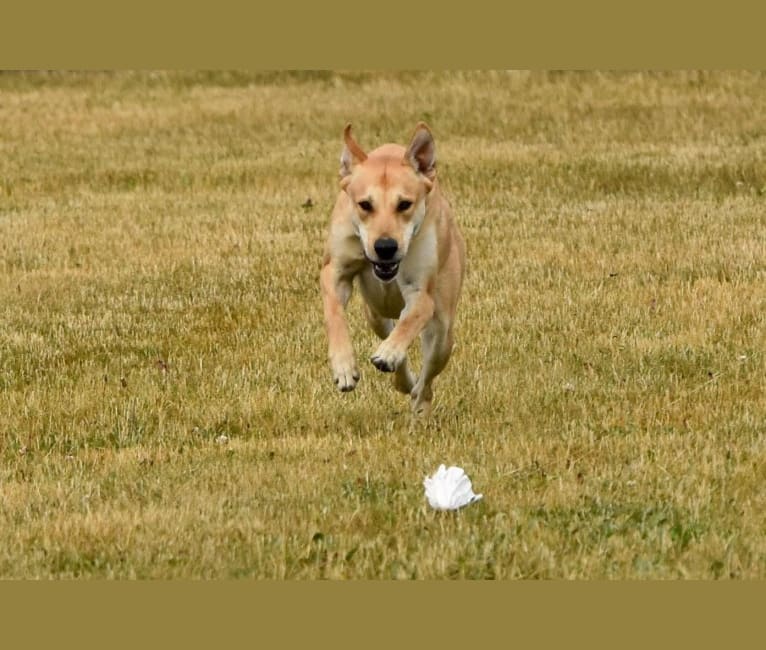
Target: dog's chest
{"x":384,"y":297}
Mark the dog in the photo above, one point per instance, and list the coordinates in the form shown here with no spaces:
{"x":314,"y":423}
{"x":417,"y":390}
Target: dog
{"x":393,"y":230}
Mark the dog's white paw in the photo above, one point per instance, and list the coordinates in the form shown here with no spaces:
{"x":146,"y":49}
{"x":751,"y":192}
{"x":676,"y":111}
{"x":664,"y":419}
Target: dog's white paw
{"x":387,"y":357}
{"x":345,"y":374}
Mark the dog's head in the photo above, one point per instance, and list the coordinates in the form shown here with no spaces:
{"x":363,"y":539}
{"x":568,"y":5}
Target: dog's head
{"x":388,"y":189}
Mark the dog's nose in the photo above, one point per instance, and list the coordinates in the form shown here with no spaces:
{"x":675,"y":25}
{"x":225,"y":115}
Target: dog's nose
{"x":386,"y":247}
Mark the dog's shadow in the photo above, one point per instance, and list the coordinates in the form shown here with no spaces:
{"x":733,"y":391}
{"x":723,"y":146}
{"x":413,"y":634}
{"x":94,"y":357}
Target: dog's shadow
{"x":376,"y":413}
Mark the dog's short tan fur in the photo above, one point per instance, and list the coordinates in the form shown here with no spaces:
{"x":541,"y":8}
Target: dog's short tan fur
{"x":390,"y":201}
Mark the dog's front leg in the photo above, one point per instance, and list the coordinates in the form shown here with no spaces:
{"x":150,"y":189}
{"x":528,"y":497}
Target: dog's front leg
{"x":336,"y":291}
{"x":418,"y":310}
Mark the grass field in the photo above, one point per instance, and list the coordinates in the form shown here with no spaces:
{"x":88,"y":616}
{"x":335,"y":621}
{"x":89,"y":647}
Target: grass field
{"x":166,"y":408}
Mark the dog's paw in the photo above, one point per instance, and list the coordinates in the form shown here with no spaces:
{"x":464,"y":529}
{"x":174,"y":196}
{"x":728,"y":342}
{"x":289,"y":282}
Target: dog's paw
{"x":345,"y":375}
{"x":421,"y":400}
{"x":387,"y":357}
{"x":421,"y":409}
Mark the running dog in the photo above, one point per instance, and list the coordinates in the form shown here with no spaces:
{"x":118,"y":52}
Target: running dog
{"x":393,"y":230}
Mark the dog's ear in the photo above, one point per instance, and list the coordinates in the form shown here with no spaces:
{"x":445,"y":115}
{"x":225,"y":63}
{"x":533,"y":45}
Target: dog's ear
{"x":421,"y":153}
{"x":352,"y":153}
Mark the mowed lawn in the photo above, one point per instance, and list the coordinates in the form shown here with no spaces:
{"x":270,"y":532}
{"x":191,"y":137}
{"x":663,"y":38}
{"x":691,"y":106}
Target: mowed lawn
{"x":166,"y":407}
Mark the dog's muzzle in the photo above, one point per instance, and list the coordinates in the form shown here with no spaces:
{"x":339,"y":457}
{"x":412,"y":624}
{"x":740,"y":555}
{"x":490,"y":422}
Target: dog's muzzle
{"x":385,"y":266}
{"x":385,"y":271}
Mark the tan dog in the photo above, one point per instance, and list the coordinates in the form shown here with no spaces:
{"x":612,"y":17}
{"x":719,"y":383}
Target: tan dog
{"x":393,"y":229}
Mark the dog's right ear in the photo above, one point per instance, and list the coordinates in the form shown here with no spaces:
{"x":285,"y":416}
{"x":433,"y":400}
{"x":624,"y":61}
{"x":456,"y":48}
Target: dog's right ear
{"x":352,"y":153}
{"x":421,"y":154}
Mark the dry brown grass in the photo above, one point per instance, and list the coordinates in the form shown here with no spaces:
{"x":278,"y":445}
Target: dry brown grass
{"x":165,"y":405}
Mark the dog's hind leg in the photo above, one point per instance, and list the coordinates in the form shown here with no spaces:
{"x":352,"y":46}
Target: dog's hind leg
{"x":437,"y":342}
{"x":403,"y":379}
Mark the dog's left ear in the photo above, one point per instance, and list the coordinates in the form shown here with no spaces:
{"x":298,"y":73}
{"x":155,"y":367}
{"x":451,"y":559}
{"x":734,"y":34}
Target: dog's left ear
{"x":352,"y":153}
{"x":421,"y":154}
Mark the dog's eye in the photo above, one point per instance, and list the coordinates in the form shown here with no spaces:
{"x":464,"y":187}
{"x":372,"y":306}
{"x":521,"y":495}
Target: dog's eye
{"x":403,"y":205}
{"x":365,"y":205}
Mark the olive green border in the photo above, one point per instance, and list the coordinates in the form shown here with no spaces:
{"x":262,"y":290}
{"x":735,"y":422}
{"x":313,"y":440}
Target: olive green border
{"x":395,"y":34}
{"x":286,"y":614}
{"x":390,"y":35}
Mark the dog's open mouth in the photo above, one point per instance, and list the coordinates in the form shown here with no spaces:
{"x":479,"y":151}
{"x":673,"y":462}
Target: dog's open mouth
{"x":386,"y":271}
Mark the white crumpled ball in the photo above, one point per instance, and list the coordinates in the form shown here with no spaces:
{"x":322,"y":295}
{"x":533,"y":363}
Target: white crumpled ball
{"x":449,"y":489}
